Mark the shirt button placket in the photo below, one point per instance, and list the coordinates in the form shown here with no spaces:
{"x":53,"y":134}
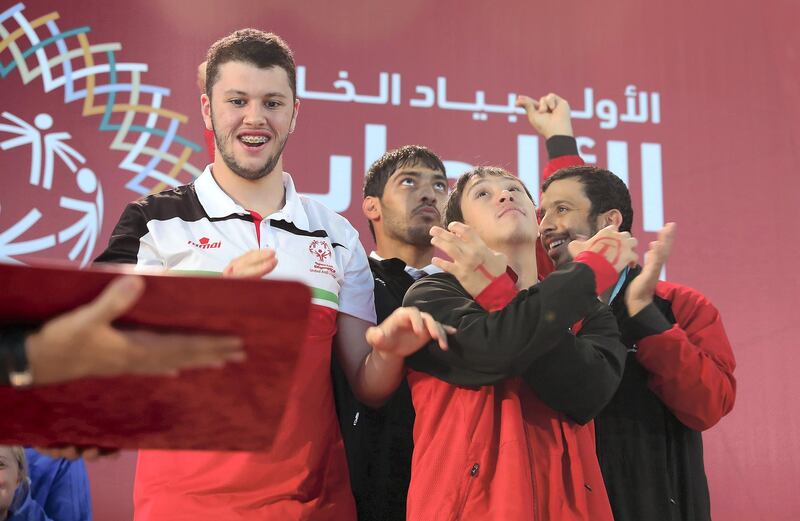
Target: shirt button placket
{"x":267,"y":240}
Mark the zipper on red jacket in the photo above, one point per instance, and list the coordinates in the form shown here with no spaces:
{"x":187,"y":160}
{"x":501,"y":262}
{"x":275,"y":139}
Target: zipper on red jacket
{"x":473,"y":474}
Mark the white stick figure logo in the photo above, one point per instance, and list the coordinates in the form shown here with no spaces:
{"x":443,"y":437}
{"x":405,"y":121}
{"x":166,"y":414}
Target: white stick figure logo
{"x":45,"y":148}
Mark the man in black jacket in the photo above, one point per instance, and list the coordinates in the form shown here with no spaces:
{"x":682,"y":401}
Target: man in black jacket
{"x":404,"y":195}
{"x":678,"y":376}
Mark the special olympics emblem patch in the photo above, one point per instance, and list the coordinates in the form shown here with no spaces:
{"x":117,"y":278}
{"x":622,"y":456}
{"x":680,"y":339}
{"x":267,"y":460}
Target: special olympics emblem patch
{"x":320,"y":250}
{"x":323,"y":252}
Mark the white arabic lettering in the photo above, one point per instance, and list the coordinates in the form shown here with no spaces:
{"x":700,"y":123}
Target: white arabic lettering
{"x":640,"y":107}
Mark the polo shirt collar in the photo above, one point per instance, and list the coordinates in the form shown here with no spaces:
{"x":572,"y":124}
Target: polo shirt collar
{"x":218,"y":204}
{"x":293,"y":211}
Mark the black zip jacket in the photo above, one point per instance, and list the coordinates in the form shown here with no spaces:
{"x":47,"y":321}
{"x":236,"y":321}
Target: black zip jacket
{"x":379,"y":442}
{"x":530,"y":336}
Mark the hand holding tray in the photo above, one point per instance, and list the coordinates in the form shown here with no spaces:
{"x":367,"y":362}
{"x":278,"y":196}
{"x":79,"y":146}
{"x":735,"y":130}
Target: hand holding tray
{"x":237,"y":407}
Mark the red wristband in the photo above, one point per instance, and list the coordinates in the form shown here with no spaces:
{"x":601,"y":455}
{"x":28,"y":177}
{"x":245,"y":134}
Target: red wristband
{"x":498,"y":293}
{"x":605,"y":275}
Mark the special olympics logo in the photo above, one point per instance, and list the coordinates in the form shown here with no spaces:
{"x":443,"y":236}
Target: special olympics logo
{"x":320,"y":250}
{"x":145,"y":131}
{"x":51,"y":156}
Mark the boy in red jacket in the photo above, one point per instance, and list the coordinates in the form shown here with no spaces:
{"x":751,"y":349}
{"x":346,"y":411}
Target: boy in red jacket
{"x":503,"y":425}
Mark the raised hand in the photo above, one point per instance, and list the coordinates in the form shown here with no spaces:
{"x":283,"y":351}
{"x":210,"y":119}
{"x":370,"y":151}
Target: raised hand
{"x":617,"y":247}
{"x":641,"y":290}
{"x":550,"y":115}
{"x":404,"y":332}
{"x":473,"y":263}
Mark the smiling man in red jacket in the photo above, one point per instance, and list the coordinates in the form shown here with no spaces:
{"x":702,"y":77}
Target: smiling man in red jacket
{"x":678,"y":376}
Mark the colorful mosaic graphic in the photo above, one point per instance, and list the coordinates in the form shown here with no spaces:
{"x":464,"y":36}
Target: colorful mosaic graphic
{"x":146,"y":131}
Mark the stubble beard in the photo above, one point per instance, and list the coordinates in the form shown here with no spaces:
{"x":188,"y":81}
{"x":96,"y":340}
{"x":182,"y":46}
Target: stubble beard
{"x":415,"y":235}
{"x":235,"y":167}
{"x":593,"y":229}
{"x":419,"y":236}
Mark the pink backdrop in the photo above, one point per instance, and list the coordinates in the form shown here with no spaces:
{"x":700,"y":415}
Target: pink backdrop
{"x":84,"y":83}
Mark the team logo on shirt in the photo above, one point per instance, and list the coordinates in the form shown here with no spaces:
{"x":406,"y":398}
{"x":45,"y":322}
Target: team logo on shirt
{"x":204,"y":243}
{"x":322,"y":251}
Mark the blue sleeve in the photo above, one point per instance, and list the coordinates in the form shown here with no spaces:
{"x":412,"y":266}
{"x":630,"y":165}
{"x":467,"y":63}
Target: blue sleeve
{"x":60,"y":487}
{"x":29,"y":510}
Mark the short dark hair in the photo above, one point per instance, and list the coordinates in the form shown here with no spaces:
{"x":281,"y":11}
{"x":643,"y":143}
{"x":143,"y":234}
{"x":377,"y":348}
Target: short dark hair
{"x":452,"y":210}
{"x":264,"y":50}
{"x":604,"y":190}
{"x":382,"y":169}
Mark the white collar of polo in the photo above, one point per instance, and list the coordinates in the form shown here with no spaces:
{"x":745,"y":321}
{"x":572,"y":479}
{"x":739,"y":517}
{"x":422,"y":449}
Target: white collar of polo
{"x":293,"y":211}
{"x":218,"y":204}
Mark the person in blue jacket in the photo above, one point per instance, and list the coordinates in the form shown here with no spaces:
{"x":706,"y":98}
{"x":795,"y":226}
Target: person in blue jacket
{"x":35,"y":487}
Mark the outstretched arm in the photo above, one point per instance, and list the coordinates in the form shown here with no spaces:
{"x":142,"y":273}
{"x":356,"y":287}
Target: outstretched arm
{"x":84,"y":343}
{"x":373,"y":357}
{"x":580,"y":373}
{"x":501,"y":331}
{"x":550,"y":117}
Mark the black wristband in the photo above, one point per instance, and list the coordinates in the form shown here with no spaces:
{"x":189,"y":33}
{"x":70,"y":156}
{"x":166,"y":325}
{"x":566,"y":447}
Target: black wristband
{"x":558,"y":146}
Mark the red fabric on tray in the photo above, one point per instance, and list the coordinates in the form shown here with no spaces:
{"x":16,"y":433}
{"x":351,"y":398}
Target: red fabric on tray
{"x":235,"y":408}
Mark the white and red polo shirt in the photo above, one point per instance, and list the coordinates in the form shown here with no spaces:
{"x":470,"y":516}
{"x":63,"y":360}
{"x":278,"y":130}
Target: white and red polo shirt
{"x":199,"y":228}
